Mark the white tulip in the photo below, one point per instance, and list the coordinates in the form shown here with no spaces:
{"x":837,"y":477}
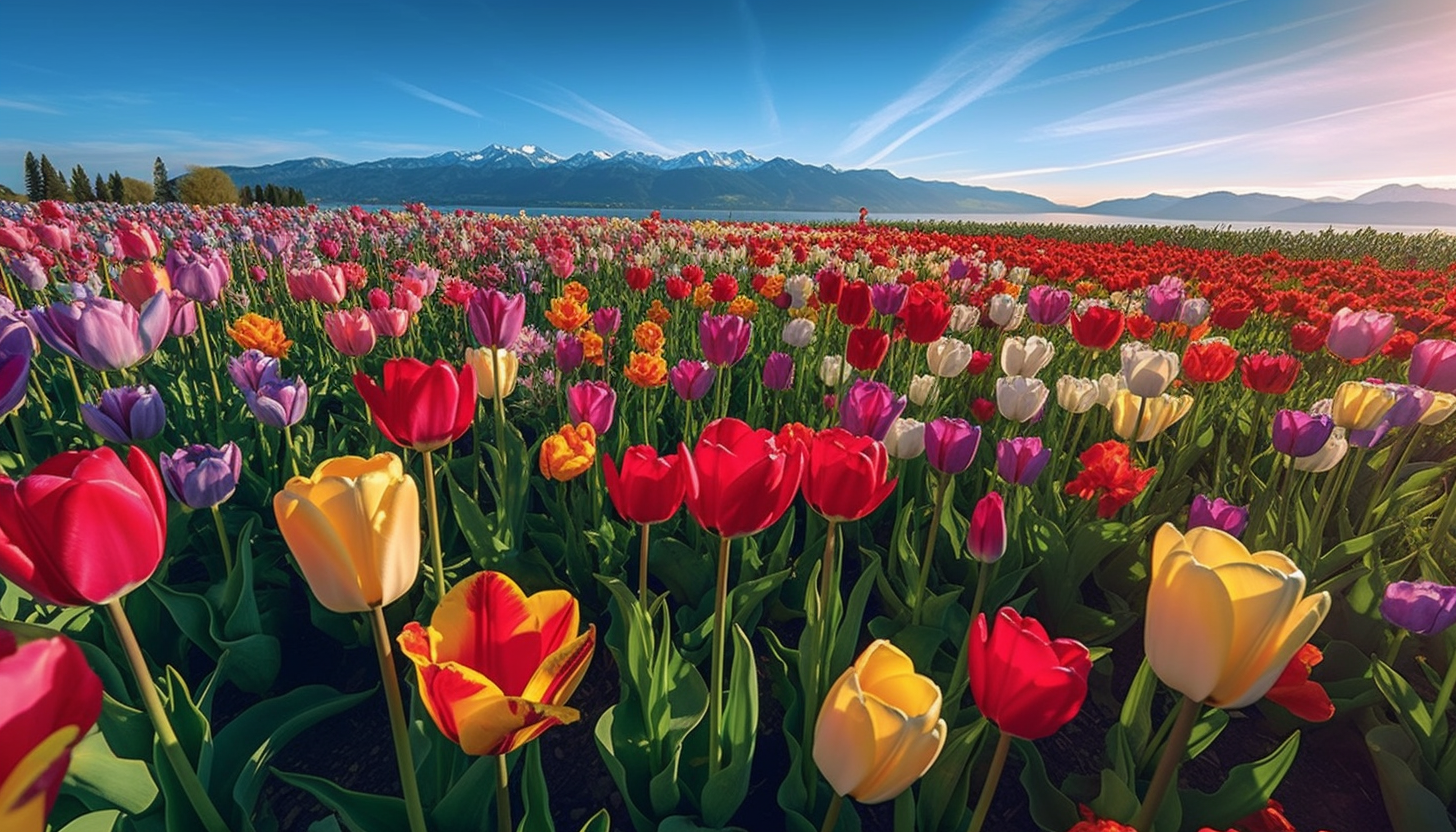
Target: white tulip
{"x":948,"y":357}
{"x":1020,"y":398}
{"x":905,"y":439}
{"x":1026,"y":356}
{"x":1077,"y":395}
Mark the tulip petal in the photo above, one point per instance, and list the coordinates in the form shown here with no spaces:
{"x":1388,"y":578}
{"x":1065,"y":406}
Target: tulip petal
{"x":901,"y":743}
{"x":320,"y":551}
{"x":1262,"y":600}
{"x":844,"y":736}
{"x":1306,"y":618}
{"x":559,"y":675}
{"x":1189,"y":624}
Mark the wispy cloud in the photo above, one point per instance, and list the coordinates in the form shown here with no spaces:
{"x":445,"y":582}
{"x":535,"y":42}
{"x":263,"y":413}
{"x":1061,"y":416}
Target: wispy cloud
{"x":756,"y":59}
{"x":994,"y":54}
{"x":583,"y":112}
{"x":426,"y":95}
{"x":27,"y":106}
{"x":1111,"y":33}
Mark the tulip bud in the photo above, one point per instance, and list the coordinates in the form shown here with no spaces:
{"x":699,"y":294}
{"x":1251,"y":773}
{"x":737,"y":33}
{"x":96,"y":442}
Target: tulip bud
{"x":1026,"y":356}
{"x":1218,"y":514}
{"x":963,"y":318}
{"x":1148,"y":372}
{"x":834,"y":370}
{"x":1108,"y":386}
{"x":1019,"y":398}
{"x":798,"y":333}
{"x":1423,"y":607}
{"x":1360,"y":405}
{"x":201,"y":476}
{"x":1077,"y":395}
{"x":948,"y":357}
{"x":493,"y":376}
{"x":923,"y":390}
{"x":1439,"y":410}
{"x":594,"y":402}
{"x":986,"y":536}
{"x":126,"y":415}
{"x":691,"y":380}
{"x":1326,"y":457}
{"x":905,"y":439}
{"x":1019,"y":461}
{"x":1142,"y":420}
{"x":1004,"y":311}
{"x":950,"y":444}
{"x":1433,"y":365}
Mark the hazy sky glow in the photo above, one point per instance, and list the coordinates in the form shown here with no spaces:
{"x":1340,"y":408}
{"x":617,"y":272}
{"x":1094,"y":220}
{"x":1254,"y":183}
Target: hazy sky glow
{"x":1075,"y":100}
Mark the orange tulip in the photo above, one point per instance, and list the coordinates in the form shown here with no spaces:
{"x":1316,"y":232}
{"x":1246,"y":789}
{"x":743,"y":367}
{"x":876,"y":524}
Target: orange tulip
{"x":496,"y":666}
{"x":567,"y":315}
{"x":646,"y":370}
{"x":566,"y":454}
{"x":255,"y":332}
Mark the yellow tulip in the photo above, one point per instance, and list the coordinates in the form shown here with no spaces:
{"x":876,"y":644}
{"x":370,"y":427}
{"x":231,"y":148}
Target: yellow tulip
{"x":1440,"y":409}
{"x":1160,"y":413}
{"x":1222,"y":623}
{"x":505,"y":367}
{"x":566,"y":454}
{"x":1360,"y":405}
{"x":354,"y":528}
{"x":880,"y":727}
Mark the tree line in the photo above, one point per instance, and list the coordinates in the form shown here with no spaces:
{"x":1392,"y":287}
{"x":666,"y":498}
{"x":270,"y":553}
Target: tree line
{"x":199,"y":186}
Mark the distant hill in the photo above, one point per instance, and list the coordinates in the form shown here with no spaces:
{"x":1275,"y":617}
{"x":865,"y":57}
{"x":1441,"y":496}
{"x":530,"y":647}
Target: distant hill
{"x":1413,"y":205}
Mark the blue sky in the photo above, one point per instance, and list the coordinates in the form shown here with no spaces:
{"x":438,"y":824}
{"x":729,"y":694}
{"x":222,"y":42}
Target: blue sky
{"x":1076,"y":100}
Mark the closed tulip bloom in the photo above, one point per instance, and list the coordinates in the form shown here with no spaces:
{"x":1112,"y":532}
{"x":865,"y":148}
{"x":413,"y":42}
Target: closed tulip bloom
{"x":649,"y":488}
{"x":724,"y":338}
{"x":201,"y":476}
{"x":867,"y":347}
{"x":1148,"y":372}
{"x":1411,"y":403}
{"x":1423,"y":607}
{"x":496,"y":318}
{"x":1108,"y":386}
{"x":125,"y":414}
{"x":888,"y":298}
{"x":798,"y":333}
{"x":102,"y":333}
{"x":1158,"y":414}
{"x":52,"y":698}
{"x":1077,"y":395}
{"x":199,"y":276}
{"x":1355,"y":336}
{"x":606,"y":320}
{"x":496,"y":666}
{"x":963,"y":317}
{"x":325,"y":284}
{"x":60,"y":526}
{"x":691,"y":380}
{"x":492,"y":377}
{"x":879,"y":729}
{"x":869,"y":408}
{"x":350,"y":331}
{"x":1300,"y":434}
{"x":1266,"y":373}
{"x":1004,"y":311}
{"x":249,"y":370}
{"x":1020,"y":460}
{"x":1209,"y":362}
{"x":1360,"y":405}
{"x":353,"y":526}
{"x":1223,"y":623}
{"x":278,"y":403}
{"x":17,"y":346}
{"x":923,"y":390}
{"x":1433,"y":365}
{"x":986,"y":534}
{"x":1218,"y":514}
{"x":421,"y":406}
{"x":834,"y":370}
{"x":569,"y":352}
{"x":137,"y":241}
{"x":778,"y":371}
{"x":592,"y":401}
{"x":30,"y":270}
{"x":1019,"y":398}
{"x":138,"y":282}
{"x":746,"y":478}
{"x":1028,"y":684}
{"x":1048,"y":305}
{"x":389,"y":322}
{"x":568,"y":453}
{"x":1163,"y":300}
{"x":1439,"y":410}
{"x":905,"y":439}
{"x":1026,"y":356}
{"x":845,"y":475}
{"x":1098,"y":328}
{"x":950,"y":444}
{"x":1326,"y":457}
{"x":948,"y":357}
{"x":855,"y":304}
{"x":1194,"y":311}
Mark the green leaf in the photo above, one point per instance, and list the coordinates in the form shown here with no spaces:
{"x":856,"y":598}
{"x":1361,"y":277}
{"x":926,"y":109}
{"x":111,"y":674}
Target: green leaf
{"x":1410,"y":806}
{"x":1116,"y":799}
{"x":103,"y":780}
{"x":1137,"y":717}
{"x":1350,"y":550}
{"x":360,"y":812}
{"x":945,"y":788}
{"x":128,"y":731}
{"x":600,"y":822}
{"x":194,"y":734}
{"x":255,"y":656}
{"x":102,"y":821}
{"x":1050,"y":809}
{"x":725,"y":791}
{"x":467,"y":806}
{"x":1409,"y":708}
{"x":536,"y":815}
{"x":1247,"y":789}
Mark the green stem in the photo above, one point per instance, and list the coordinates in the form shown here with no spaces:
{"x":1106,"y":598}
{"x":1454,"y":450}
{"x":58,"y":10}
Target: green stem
{"x":642,"y":569}
{"x":831,"y":815}
{"x":1249,"y":446}
{"x":1443,"y":696}
{"x":398,"y":727}
{"x":171,"y":747}
{"x":438,"y":557}
{"x":720,"y":610}
{"x":827,"y":584}
{"x":502,"y":794}
{"x":75,"y":382}
{"x":993,"y":777}
{"x":288,"y":449}
{"x":498,"y":404}
{"x":1167,"y":765}
{"x":1391,"y":473}
{"x":924,"y":577}
{"x":21,"y":442}
{"x":1444,"y":522}
{"x":1312,"y":549}
{"x":222,"y":537}
{"x":983,"y":578}
{"x":1393,"y":651}
{"x":207,"y":353}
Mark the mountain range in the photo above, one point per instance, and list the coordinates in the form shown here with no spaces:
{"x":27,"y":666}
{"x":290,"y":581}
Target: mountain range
{"x":529,"y":176}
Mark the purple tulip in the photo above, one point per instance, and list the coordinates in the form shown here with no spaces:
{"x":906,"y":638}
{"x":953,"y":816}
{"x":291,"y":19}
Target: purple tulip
{"x":496,"y":319}
{"x":200,"y":277}
{"x":29,"y":269}
{"x":278,"y":403}
{"x":1193,"y":311}
{"x":1299,"y":434}
{"x":606,"y":320}
{"x":592,"y":401}
{"x":1048,"y":305}
{"x":126,"y":415}
{"x":888,"y":298}
{"x":778,"y":371}
{"x":201,"y":476}
{"x":1433,"y":365}
{"x":1020,"y":461}
{"x":869,"y":408}
{"x":1422,"y":607}
{"x":692,"y":379}
{"x":1355,"y":336}
{"x":1218,"y":514}
{"x":16,"y":347}
{"x":569,"y":353}
{"x":102,"y":333}
{"x":1410,"y":404}
{"x":249,"y":370}
{"x":957,"y":269}
{"x":724,"y":338}
{"x":1164,"y":299}
{"x":184,"y":315}
{"x":950,"y":444}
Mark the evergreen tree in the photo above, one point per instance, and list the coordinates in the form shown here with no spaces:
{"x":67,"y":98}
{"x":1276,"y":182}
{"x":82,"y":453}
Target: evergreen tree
{"x":81,"y":185}
{"x":246,"y":195}
{"x":115,"y":187}
{"x":103,"y":193}
{"x":271,"y":195}
{"x":161,"y":184}
{"x":55,"y":184}
{"x":34,"y":182}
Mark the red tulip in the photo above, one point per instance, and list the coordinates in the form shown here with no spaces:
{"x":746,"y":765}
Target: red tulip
{"x":830,"y":283}
{"x":422,"y":406}
{"x":986,"y":535}
{"x":52,"y":698}
{"x":855,"y":304}
{"x":1028,"y":685}
{"x":845,"y":475}
{"x":1231,"y":311}
{"x":746,"y":479}
{"x":925,"y":313}
{"x":867,"y":346}
{"x":1141,"y":326}
{"x":1299,"y":694}
{"x":1209,"y":362}
{"x":83,"y":528}
{"x":1307,"y":338}
{"x":1265,"y":373}
{"x":1099,"y":328}
{"x":649,"y":488}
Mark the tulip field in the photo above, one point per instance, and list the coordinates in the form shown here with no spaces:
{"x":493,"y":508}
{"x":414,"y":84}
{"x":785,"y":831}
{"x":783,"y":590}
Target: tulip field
{"x":409,"y":520}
